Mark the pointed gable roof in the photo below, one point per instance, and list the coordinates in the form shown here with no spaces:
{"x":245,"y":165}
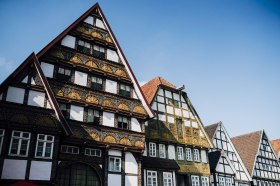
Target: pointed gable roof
{"x":33,"y":59}
{"x":247,"y":146}
{"x":276,"y":146}
{"x":120,"y":52}
{"x":211,"y":129}
{"x":150,"y":89}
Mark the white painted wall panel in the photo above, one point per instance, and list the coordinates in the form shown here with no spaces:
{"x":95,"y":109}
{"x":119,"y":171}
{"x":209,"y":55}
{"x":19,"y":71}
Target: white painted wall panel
{"x":176,"y":97}
{"x":131,"y":165}
{"x":161,"y":107}
{"x":160,"y":99}
{"x":178,"y":112}
{"x":115,"y":153}
{"x":80,"y":78}
{"x":114,"y":180}
{"x":220,"y":168}
{"x":168,"y":94}
{"x":25,"y":80}
{"x":170,"y":119}
{"x":36,"y":98}
{"x":15,"y":95}
{"x":186,"y":114}
{"x":99,"y":23}
{"x":154,"y":106}
{"x":134,"y":95}
{"x":14,"y":169}
{"x":171,"y":152}
{"x":32,"y":81}
{"x":77,"y":113}
{"x":160,"y":92}
{"x":131,"y":180}
{"x":89,"y":20}
{"x":48,"y":104}
{"x":112,"y":55}
{"x":135,"y":125}
{"x":111,"y":86}
{"x":194,"y":124}
{"x":69,"y":41}
{"x":187,"y":123}
{"x":108,"y":119}
{"x":169,"y":110}
{"x":47,"y":69}
{"x":162,"y":117}
{"x":40,"y":170}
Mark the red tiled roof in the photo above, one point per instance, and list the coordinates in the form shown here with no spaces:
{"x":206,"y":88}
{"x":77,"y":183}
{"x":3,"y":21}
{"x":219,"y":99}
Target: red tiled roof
{"x":211,"y":129}
{"x":247,"y":146}
{"x":149,"y":89}
{"x":276,"y":146}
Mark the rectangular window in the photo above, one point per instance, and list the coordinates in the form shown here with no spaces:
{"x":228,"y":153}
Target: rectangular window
{"x":188,"y":154}
{"x":195,"y":180}
{"x":2,"y":133}
{"x":228,"y":181}
{"x":44,"y":147}
{"x":19,"y":143}
{"x":93,"y":116}
{"x":180,"y":153}
{"x":221,"y":181}
{"x":114,"y":164}
{"x":152,"y":149}
{"x":204,"y":181}
{"x":167,"y":179}
{"x":98,"y":51}
{"x":92,"y":152}
{"x":83,"y":46}
{"x":69,"y":149}
{"x":63,"y":109}
{"x":196,"y":155}
{"x":122,"y":122}
{"x":162,"y":151}
{"x":96,"y":83}
{"x":125,"y":90}
{"x":64,"y":74}
{"x":151,"y":178}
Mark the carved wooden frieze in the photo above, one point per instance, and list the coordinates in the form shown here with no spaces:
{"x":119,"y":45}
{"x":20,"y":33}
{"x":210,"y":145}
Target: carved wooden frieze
{"x":196,"y":168}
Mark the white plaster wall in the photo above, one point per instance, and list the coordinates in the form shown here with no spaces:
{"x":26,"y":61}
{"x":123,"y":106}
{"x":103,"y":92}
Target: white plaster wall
{"x":176,"y":96}
{"x":170,"y":119}
{"x":108,"y":119}
{"x":134,"y":95}
{"x":219,"y":168}
{"x":80,"y":78}
{"x":186,"y":114}
{"x":168,"y":94}
{"x":178,"y":112}
{"x":161,"y":117}
{"x":68,"y":41}
{"x":169,"y":110}
{"x":160,"y":92}
{"x":131,"y":180}
{"x":228,"y":169}
{"x":15,"y":95}
{"x":185,"y":106}
{"x":112,"y":55}
{"x":135,"y":125}
{"x":203,"y":156}
{"x":14,"y":169}
{"x":171,"y":152}
{"x":76,"y":113}
{"x":114,"y":180}
{"x":111,"y":86}
{"x":32,"y":81}
{"x":99,"y":23}
{"x":160,"y":99}
{"x":161,"y":107}
{"x":40,"y":170}
{"x":48,"y":104}
{"x":145,"y":151}
{"x":187,"y":123}
{"x":25,"y":80}
{"x":89,"y":20}
{"x":36,"y":98}
{"x":154,"y":106}
{"x":47,"y":69}
{"x":194,"y":124}
{"x":115,"y":153}
{"x":131,"y":165}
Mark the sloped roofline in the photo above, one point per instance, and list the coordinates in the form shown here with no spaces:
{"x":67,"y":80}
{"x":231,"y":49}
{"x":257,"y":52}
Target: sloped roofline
{"x":126,"y":64}
{"x":32,"y":58}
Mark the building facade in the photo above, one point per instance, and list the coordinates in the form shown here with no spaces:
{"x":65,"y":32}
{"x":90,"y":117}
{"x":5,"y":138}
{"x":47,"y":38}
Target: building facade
{"x":276,"y":146}
{"x":74,"y":114}
{"x":259,"y":158}
{"x":175,"y":139}
{"x":231,"y":170}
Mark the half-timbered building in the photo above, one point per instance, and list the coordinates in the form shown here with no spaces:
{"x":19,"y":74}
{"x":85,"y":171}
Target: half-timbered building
{"x":176,"y":142}
{"x":225,"y":171}
{"x":276,"y":146}
{"x":259,"y":158}
{"x":74,"y":113}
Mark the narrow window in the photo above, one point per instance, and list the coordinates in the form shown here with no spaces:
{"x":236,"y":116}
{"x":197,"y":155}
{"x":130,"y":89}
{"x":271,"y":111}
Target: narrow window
{"x":151,"y":178}
{"x":152,"y":149}
{"x":98,"y":51}
{"x":162,"y":151}
{"x":19,"y":143}
{"x":196,"y":155}
{"x":93,"y":116}
{"x":125,"y":90}
{"x":96,"y":83}
{"x":69,"y":149}
{"x":188,"y":154}
{"x":63,"y":109}
{"x":64,"y":74}
{"x":180,"y":153}
{"x":2,"y":133}
{"x":195,"y":180}
{"x":221,"y":181}
{"x":228,"y":181}
{"x":83,"y":46}
{"x":44,"y":147}
{"x":92,"y":152}
{"x":122,"y":122}
{"x":205,"y":181}
{"x":167,"y":179}
{"x":114,"y":164}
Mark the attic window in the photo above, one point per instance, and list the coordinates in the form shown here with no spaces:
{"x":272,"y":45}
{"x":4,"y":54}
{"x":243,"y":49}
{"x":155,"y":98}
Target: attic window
{"x":122,"y":122}
{"x":98,"y":51}
{"x":125,"y":90}
{"x":64,"y":74}
{"x":83,"y":46}
{"x":96,"y":83}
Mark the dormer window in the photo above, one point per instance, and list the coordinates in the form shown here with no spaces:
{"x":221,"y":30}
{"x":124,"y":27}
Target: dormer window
{"x":125,"y":90}
{"x":122,"y":122}
{"x":83,"y":46}
{"x":98,"y":51}
{"x":96,"y":83}
{"x":64,"y":74}
{"x":93,"y":116}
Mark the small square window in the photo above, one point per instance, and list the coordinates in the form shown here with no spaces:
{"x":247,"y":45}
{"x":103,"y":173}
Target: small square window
{"x":125,"y":90}
{"x":122,"y":122}
{"x":96,"y":83}
{"x":114,"y":164}
{"x":98,"y":51}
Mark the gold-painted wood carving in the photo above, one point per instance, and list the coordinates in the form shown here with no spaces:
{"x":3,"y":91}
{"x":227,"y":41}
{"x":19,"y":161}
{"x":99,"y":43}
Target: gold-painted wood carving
{"x":96,"y":34}
{"x":123,"y":106}
{"x":121,"y":72}
{"x":139,"y":144}
{"x":76,"y":59}
{"x":95,"y":136}
{"x":108,"y":103}
{"x":92,"y":99}
{"x":91,"y":64}
{"x":139,"y":109}
{"x":109,"y":40}
{"x":125,"y":141}
{"x":109,"y":139}
{"x":74,"y":95}
{"x":60,"y":93}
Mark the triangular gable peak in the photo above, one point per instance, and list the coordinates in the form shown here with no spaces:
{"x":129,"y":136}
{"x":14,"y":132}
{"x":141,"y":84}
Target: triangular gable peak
{"x":29,"y":74}
{"x":222,"y":163}
{"x":172,"y":105}
{"x":94,"y":27}
{"x":222,"y":141}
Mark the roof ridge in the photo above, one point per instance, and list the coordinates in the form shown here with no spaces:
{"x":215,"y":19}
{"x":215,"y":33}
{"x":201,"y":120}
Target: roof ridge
{"x":259,"y":131}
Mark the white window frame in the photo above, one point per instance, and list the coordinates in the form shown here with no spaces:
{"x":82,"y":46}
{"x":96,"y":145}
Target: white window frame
{"x":152,"y":149}
{"x":20,"y":138}
{"x":167,"y":179}
{"x":180,"y":153}
{"x":116,"y":167}
{"x":221,"y":181}
{"x":92,"y":152}
{"x":68,"y":147}
{"x":189,"y":154}
{"x":2,"y":134}
{"x":152,"y":176}
{"x":204,"y":181}
{"x":195,"y":180}
{"x":45,"y":141}
{"x":228,"y":181}
{"x":196,"y":155}
{"x":162,"y":151}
